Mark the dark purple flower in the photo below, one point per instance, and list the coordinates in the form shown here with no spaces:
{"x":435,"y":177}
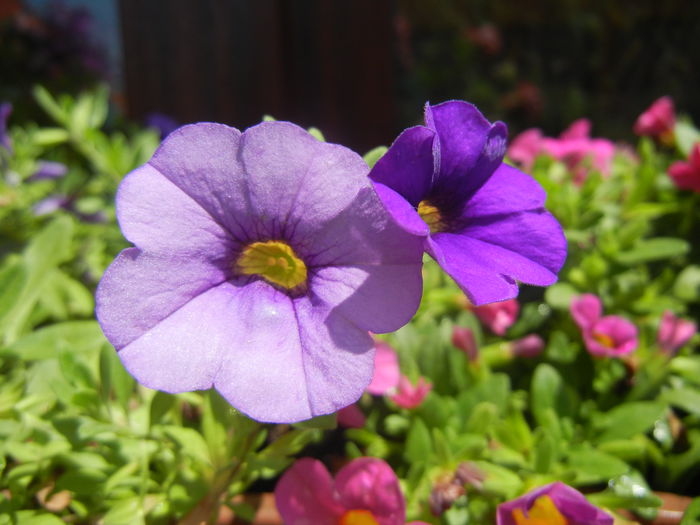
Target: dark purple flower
{"x":483,"y":221}
{"x":5,"y":110}
{"x":554,"y":504}
{"x":261,"y":261}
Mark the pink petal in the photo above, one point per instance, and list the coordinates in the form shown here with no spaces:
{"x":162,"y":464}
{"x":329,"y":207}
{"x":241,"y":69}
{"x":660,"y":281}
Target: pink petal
{"x":386,"y":369}
{"x":586,"y":309}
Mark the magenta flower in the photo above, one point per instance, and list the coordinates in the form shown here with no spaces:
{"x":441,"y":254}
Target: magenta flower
{"x":411,"y":396}
{"x":365,"y":492}
{"x":658,"y":120}
{"x":529,"y":346}
{"x":500,"y":316}
{"x":483,"y":221}
{"x":553,"y":504}
{"x":674,"y":332}
{"x":463,"y":338}
{"x":686,"y":175}
{"x":5,"y":110}
{"x":351,"y":417}
{"x":261,"y":261}
{"x":386,"y":369}
{"x":610,"y":336}
{"x":526,"y":147}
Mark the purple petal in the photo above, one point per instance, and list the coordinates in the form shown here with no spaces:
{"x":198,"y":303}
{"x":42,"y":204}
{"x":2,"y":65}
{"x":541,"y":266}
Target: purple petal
{"x":528,"y":246}
{"x":304,"y":494}
{"x":289,"y":176}
{"x":475,"y":275}
{"x":408,"y":166}
{"x":369,"y":483}
{"x":508,"y":190}
{"x":139,"y":290}
{"x":47,"y":169}
{"x":202,"y":160}
{"x":288,"y":360}
{"x":156,"y":215}
{"x":401,"y":211}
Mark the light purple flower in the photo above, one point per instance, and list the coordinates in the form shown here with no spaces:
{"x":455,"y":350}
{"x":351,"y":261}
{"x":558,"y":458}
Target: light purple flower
{"x":555,"y":504}
{"x":5,"y":110}
{"x":165,"y":124}
{"x":611,"y":336}
{"x":48,"y":170}
{"x":261,"y":261}
{"x":50,"y":204}
{"x":674,"y":332}
{"x":365,"y":491}
{"x":482,"y":220}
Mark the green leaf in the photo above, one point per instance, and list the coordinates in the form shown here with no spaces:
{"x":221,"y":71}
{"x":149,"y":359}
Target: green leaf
{"x":419,"y":445}
{"x":592,"y":466}
{"x":692,"y":513}
{"x":83,"y":481}
{"x":686,"y":136}
{"x":191,"y":442}
{"x":372,"y":156}
{"x":627,"y":420}
{"x":500,"y":480}
{"x":559,"y":295}
{"x":549,"y":393}
{"x":114,"y":377}
{"x":49,"y":104}
{"x":687,"y":399}
{"x":32,"y":517}
{"x":328,"y":422}
{"x":653,"y":250}
{"x":544,"y":453}
{"x":316,"y":133}
{"x":127,"y":511}
{"x":687,"y":285}
{"x":46,"y":343}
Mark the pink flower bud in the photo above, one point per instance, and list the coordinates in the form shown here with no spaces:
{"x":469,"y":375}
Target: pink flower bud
{"x":463,"y":338}
{"x":674,"y":332}
{"x":498,"y":317}
{"x":528,"y":346}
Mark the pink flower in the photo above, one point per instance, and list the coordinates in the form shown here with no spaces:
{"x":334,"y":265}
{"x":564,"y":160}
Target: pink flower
{"x":686,"y":175}
{"x":525,"y":148}
{"x":658,"y":120}
{"x":351,"y":417}
{"x":553,"y":504}
{"x":674,"y":332}
{"x":411,"y":396}
{"x":528,"y":346}
{"x":386,"y":369}
{"x":610,"y":336}
{"x":463,"y":338}
{"x":365,"y":492}
{"x":498,"y":317}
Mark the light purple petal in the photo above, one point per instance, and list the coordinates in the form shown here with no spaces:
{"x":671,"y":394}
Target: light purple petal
{"x":369,"y":483}
{"x":289,"y":360}
{"x":156,"y":215}
{"x":139,"y":290}
{"x":474,"y":275}
{"x":304,"y":495}
{"x":528,"y":246}
{"x":508,"y":190}
{"x":401,"y":211}
{"x":408,"y":166}
{"x":47,"y":170}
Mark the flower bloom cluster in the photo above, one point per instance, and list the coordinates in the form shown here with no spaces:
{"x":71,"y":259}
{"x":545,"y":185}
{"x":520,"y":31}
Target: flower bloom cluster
{"x":262,"y":259}
{"x":365,"y":492}
{"x":658,"y":120}
{"x":574,"y":147}
{"x":553,"y":504}
{"x":610,"y":336}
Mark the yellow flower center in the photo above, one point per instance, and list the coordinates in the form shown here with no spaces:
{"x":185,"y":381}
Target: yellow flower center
{"x":542,"y":512}
{"x":604,"y":339}
{"x":358,"y":517}
{"x":274,"y":261}
{"x":431,"y":216}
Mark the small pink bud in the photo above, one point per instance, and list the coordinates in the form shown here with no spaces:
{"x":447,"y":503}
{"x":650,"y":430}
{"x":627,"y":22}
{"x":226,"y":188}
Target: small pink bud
{"x":498,"y":317}
{"x":658,"y":120}
{"x":463,"y":338}
{"x":674,"y":332}
{"x":410,"y":396}
{"x":528,"y":346}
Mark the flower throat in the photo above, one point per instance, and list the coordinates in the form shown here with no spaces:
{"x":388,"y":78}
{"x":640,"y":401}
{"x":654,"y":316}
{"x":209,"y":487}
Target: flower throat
{"x":274,"y":261}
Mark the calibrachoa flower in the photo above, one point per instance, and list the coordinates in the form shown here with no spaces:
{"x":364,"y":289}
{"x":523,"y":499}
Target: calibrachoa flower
{"x":411,"y":396}
{"x":463,"y":338}
{"x":483,"y":221}
{"x":658,"y":120}
{"x":553,"y":504}
{"x":529,"y":346}
{"x":674,"y":332}
{"x":351,"y":417}
{"x":610,"y":336}
{"x":365,"y":492}
{"x":261,"y":261}
{"x":386,"y":369}
{"x":48,"y":170}
{"x":526,"y":147}
{"x":686,"y":175}
{"x":498,"y":317}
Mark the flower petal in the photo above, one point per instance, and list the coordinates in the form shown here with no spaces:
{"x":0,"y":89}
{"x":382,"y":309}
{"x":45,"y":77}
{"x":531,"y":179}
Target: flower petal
{"x":156,"y":215}
{"x":408,"y":166}
{"x":508,"y":190}
{"x":369,"y":483}
{"x":386,"y":369}
{"x":474,"y":275}
{"x":288,"y":360}
{"x":202,"y":160}
{"x":304,"y":495}
{"x":586,"y":309}
{"x":401,"y":211}
{"x":139,"y":290}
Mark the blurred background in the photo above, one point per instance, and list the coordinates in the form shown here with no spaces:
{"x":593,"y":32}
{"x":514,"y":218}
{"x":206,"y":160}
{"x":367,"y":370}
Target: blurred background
{"x":361,"y":70}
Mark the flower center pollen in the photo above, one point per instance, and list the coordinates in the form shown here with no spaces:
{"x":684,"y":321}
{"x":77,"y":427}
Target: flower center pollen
{"x":274,"y":261}
{"x":431,"y":216}
{"x":542,"y":512}
{"x":358,"y":517}
{"x":604,"y":339}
